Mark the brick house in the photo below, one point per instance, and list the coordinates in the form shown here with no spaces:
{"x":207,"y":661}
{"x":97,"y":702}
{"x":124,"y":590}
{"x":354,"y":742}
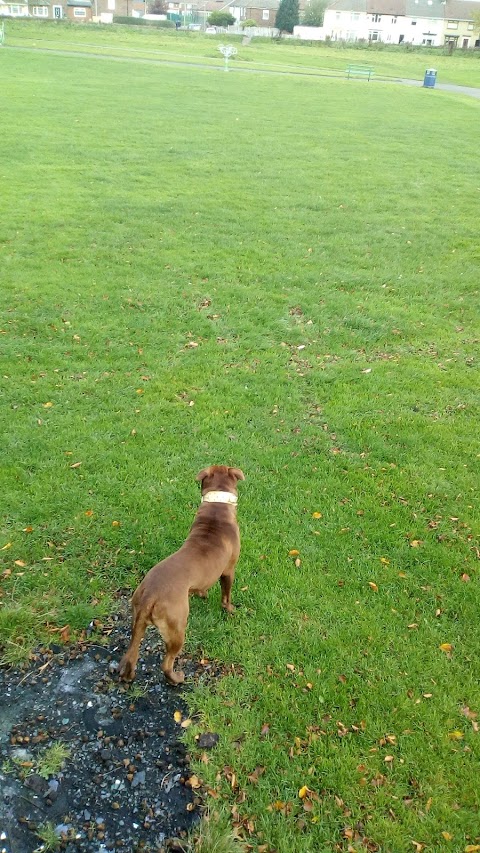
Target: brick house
{"x":263,"y":12}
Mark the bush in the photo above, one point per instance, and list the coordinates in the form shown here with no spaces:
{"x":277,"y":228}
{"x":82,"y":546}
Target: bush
{"x":140,"y":22}
{"x":220,"y":19}
{"x":248,"y":23}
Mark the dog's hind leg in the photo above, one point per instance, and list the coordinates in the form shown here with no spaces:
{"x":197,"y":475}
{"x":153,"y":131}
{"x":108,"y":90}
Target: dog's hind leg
{"x":226,"y":582}
{"x":172,"y":628}
{"x":128,"y":663}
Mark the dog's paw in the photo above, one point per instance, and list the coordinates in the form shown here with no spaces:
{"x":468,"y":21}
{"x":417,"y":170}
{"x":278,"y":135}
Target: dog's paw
{"x":175,"y":678}
{"x":126,"y":671}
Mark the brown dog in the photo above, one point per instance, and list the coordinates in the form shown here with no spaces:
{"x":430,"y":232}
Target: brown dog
{"x":209,"y":553}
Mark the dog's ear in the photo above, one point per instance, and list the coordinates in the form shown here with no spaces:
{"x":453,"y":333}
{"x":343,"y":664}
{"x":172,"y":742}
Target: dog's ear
{"x":202,"y":474}
{"x":236,"y":472}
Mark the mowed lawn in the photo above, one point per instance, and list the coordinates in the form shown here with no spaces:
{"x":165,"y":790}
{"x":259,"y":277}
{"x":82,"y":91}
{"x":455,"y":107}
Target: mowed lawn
{"x":266,"y":55}
{"x":281,"y":274}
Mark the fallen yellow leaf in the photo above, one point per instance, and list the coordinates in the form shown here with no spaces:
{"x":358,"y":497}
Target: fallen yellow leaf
{"x":446,"y":647}
{"x":298,"y":562}
{"x":47,"y":405}
{"x":28,"y":529}
{"x":447,"y":836}
{"x":177,"y":716}
{"x":303,"y":792}
{"x":456,"y":735}
{"x":194,"y":782}
{"x":384,"y":561}
{"x":186,"y":723}
{"x":115,"y":524}
{"x":89,"y":513}
{"x":373,"y":586}
{"x":472,"y":848}
{"x":20,"y":563}
{"x":415,"y":543}
{"x":5,"y":547}
{"x":293,"y":553}
{"x":316,"y":514}
{"x":76,"y":465}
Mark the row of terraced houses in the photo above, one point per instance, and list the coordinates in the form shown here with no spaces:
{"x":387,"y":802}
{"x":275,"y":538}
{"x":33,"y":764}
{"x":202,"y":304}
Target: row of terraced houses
{"x":417,"y":22}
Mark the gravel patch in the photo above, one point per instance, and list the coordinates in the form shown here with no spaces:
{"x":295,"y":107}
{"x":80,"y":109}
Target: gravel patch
{"x":123,"y":783}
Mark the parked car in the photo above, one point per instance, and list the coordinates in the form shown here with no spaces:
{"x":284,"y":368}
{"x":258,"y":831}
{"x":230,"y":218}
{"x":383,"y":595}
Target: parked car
{"x":211,"y":31}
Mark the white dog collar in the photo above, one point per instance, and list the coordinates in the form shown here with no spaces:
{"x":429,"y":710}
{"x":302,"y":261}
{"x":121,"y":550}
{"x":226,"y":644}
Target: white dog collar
{"x":219,"y":498}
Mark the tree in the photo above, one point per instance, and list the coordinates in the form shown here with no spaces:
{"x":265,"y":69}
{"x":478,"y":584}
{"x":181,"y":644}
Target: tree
{"x":287,"y":16}
{"x":314,"y":13}
{"x":220,"y":19}
{"x":157,"y":7}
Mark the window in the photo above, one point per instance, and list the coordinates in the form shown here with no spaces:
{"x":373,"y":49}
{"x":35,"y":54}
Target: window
{"x":79,"y":13}
{"x":414,"y":23}
{"x":338,"y":15}
{"x":452,"y":25}
{"x":394,"y":19}
{"x":40,"y":11}
{"x":265,"y":15}
{"x":376,"y":19}
{"x":111,"y":5}
{"x":355,"y":16}
{"x":470,"y":27}
{"x":374,"y":35}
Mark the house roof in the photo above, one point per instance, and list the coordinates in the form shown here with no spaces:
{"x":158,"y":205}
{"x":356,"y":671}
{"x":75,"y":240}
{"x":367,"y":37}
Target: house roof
{"x":386,"y":7}
{"x":348,"y":5}
{"x":461,"y":10}
{"x":425,"y":9}
{"x":257,"y":4}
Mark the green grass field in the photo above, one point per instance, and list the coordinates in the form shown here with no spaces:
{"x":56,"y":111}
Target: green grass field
{"x":294,"y":57}
{"x":280,"y":273}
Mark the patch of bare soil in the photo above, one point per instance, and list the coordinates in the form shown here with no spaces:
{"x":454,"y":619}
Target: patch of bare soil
{"x":124,"y":785}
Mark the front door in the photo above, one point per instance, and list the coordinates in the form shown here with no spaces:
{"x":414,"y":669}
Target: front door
{"x":57,"y":12}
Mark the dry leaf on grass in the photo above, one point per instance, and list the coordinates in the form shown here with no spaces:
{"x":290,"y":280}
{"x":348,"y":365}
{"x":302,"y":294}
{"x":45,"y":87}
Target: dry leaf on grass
{"x":468,"y":713}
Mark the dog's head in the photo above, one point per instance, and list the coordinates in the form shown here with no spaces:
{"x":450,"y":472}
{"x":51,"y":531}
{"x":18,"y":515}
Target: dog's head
{"x":220,"y":478}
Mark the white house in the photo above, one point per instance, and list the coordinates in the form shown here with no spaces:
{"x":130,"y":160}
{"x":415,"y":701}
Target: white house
{"x":417,"y":22}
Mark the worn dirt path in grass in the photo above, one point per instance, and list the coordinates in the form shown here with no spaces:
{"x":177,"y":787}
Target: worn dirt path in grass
{"x":446,"y":87}
{"x":125,"y":783}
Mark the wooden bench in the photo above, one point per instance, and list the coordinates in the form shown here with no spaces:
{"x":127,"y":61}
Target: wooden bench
{"x":360,"y":71}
